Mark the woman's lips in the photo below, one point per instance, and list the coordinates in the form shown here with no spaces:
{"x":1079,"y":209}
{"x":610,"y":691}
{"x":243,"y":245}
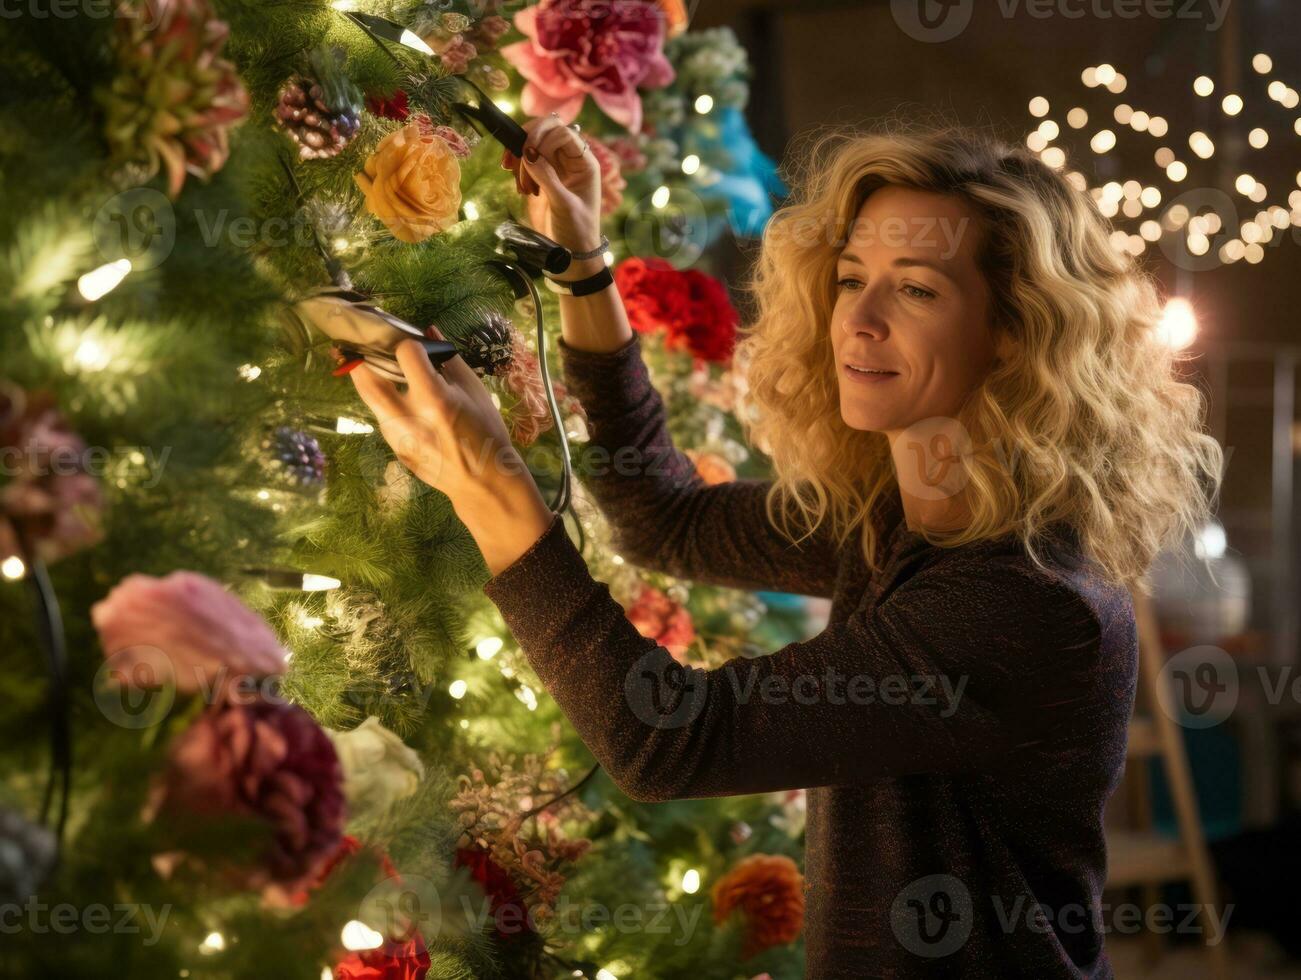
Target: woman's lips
{"x":867,"y":377}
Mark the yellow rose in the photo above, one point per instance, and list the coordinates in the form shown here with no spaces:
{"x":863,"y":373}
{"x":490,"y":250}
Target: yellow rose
{"x":412,"y":183}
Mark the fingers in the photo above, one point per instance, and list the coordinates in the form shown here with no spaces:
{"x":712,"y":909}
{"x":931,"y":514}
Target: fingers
{"x":421,"y":377}
{"x":380,"y":395}
{"x":456,"y":370}
{"x":543,"y":174}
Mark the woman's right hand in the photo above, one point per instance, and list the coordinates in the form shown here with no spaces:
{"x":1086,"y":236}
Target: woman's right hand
{"x":561,"y":179}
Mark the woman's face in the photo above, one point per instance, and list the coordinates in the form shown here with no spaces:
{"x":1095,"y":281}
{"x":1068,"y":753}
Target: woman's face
{"x":912,"y":307}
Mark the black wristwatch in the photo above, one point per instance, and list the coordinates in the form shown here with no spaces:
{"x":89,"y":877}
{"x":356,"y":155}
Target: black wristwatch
{"x":581,"y":287}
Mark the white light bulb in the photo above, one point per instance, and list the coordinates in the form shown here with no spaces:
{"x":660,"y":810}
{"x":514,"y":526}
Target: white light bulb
{"x":102,"y":281}
{"x":1178,"y":326}
{"x":319,"y":583}
{"x":351,"y":427}
{"x":13,"y":568}
{"x":357,"y":935}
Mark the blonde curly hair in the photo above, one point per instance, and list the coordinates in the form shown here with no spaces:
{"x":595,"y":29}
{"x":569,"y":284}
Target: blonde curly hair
{"x":1088,"y":425}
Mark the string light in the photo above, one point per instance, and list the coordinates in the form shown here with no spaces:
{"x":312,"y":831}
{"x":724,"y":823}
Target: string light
{"x":488,"y":647}
{"x":292,"y":579}
{"x":1263,"y":64}
{"x":1039,"y":106}
{"x":704,"y":104}
{"x":249,"y":372}
{"x":471,"y":211}
{"x":100,"y":282}
{"x":351,"y":427}
{"x":358,"y":936}
{"x":690,"y":164}
{"x":1103,"y":141}
{"x":1232,"y":105}
{"x":1258,"y":138}
{"x":1178,"y":326}
{"x":691,"y":881}
{"x":91,"y":355}
{"x":214,"y":942}
{"x":661,"y":197}
{"x":506,"y":106}
{"x":1203,"y":86}
{"x":525,"y":694}
{"x":12,"y":568}
{"x":1077,"y":118}
{"x":457,"y":689}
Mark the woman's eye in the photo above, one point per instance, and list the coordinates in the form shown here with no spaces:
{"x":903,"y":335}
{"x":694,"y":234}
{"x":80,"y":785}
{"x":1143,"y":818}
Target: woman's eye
{"x":918,"y":293}
{"x":845,"y":283}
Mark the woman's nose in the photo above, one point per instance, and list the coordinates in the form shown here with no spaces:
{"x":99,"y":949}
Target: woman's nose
{"x":866,"y":317}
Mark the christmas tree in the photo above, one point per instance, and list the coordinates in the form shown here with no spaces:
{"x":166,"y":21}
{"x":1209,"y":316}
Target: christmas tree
{"x":260,"y":716}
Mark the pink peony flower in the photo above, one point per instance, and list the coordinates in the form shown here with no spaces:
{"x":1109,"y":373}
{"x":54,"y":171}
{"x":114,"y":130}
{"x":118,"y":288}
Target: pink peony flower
{"x":577,"y":48}
{"x":661,"y":619}
{"x":185,"y":631}
{"x":50,"y":505}
{"x":631,"y":159}
{"x":612,"y":182}
{"x":266,"y":761}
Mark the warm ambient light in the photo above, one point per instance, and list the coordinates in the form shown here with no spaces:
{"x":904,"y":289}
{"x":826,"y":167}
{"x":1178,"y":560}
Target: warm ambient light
{"x":102,"y":281}
{"x":357,"y":935}
{"x":351,"y":427}
{"x":1178,"y":326}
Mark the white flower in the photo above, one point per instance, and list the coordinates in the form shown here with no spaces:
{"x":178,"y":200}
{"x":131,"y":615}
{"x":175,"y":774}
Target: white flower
{"x":378,"y":767}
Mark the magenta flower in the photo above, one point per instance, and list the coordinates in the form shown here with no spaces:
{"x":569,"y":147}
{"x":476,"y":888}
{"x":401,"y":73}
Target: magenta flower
{"x":184,"y":631}
{"x":603,"y":48}
{"x":267,"y":761}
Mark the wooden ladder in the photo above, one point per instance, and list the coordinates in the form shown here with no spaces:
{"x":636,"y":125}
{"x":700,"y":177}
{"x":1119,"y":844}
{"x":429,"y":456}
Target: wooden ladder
{"x":1140,"y":857}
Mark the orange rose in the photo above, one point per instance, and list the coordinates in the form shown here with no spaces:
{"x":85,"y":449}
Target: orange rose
{"x":675,"y":16}
{"x":412,"y":183}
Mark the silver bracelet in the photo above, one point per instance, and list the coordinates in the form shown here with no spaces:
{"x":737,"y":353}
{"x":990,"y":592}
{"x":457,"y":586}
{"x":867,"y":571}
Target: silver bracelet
{"x":599,"y":250}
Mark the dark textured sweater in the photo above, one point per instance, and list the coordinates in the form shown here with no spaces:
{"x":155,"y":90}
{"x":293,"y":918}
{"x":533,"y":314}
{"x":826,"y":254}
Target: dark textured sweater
{"x":959,"y":724}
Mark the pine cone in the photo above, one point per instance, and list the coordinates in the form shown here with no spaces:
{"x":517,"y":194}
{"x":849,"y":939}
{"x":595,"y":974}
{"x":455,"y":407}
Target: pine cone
{"x":322,"y":113}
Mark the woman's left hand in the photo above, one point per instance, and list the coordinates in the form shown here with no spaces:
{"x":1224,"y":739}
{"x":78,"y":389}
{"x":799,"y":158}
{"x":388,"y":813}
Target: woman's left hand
{"x":445,"y":429}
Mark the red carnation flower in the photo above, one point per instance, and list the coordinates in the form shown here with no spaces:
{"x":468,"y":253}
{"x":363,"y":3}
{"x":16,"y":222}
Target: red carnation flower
{"x":508,"y":912}
{"x":392,"y":961}
{"x":692,"y":308}
{"x":396,"y":106}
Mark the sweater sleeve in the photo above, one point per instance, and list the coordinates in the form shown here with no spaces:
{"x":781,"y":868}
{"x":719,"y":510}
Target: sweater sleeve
{"x":932,"y":680}
{"x":663,"y":515}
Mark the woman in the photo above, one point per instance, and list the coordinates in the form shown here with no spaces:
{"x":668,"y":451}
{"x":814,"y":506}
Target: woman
{"x":979,"y":445}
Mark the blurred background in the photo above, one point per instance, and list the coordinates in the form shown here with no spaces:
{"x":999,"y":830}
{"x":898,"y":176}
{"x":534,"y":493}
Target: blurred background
{"x":1182,"y":119}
